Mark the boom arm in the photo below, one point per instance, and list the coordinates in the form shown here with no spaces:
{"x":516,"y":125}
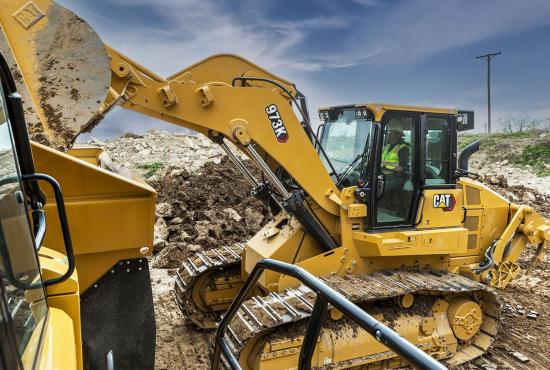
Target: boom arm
{"x":206,"y":99}
{"x":74,"y":79}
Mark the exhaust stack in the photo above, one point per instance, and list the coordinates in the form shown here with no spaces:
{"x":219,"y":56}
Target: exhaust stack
{"x":465,"y":155}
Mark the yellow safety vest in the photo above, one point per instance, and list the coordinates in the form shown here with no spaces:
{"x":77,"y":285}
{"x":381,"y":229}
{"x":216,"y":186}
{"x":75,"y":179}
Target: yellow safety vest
{"x":390,"y":158}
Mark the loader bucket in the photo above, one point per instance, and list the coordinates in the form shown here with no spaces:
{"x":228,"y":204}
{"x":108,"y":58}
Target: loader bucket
{"x":61,"y":67}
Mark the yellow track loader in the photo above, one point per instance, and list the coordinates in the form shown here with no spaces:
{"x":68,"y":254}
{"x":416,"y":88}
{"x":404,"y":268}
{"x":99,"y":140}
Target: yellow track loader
{"x":47,"y":321}
{"x":377,"y":206}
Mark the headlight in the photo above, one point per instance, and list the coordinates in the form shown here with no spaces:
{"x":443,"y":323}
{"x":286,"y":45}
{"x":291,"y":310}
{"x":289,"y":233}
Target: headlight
{"x":361,"y":113}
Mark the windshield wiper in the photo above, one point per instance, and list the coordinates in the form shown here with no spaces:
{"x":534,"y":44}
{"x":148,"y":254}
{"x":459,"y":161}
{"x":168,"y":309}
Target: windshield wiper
{"x":362,"y":155}
{"x":342,"y":174}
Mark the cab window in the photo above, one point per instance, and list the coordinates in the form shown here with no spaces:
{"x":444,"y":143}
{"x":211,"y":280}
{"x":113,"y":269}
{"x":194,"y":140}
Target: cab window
{"x":23,"y":296}
{"x":437,"y":139}
{"x":344,"y":138}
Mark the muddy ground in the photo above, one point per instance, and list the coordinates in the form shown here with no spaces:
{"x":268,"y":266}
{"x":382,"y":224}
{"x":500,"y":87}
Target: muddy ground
{"x":521,"y":332}
{"x":204,"y":203}
{"x":196,"y":211}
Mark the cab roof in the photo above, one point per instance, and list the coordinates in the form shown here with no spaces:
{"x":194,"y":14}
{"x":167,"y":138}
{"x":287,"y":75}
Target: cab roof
{"x":379,"y":108}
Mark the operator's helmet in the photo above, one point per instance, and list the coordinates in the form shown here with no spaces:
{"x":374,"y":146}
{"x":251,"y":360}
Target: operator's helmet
{"x":396,"y":126}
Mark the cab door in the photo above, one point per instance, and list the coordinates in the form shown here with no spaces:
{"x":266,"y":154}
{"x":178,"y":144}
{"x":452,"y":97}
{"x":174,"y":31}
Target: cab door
{"x":440,"y":202}
{"x":396,"y":171}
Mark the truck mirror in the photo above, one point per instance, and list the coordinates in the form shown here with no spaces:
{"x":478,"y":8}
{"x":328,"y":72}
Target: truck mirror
{"x":465,"y":120}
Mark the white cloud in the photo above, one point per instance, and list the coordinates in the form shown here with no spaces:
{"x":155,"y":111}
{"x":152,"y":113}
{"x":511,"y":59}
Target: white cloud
{"x":386,"y":33}
{"x":414,"y":30}
{"x":195,"y":29}
{"x":397,"y":33}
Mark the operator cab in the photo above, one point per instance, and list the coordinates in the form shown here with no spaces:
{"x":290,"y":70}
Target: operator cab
{"x":391,"y":153}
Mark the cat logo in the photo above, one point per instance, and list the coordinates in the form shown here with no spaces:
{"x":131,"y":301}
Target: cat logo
{"x":444,"y":201}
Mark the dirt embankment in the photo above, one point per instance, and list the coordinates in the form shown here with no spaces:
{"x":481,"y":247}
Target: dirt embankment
{"x":522,"y":158}
{"x":203,"y":210}
{"x":202,"y":203}
{"x":519,"y":194}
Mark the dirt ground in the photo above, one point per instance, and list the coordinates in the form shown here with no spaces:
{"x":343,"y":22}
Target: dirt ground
{"x":195,"y":211}
{"x":518,"y":332}
{"x":204,"y":203}
{"x":178,"y":345}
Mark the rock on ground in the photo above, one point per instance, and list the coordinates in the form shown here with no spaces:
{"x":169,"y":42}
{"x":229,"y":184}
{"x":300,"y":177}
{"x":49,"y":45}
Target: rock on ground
{"x":157,"y":149}
{"x":210,"y":207}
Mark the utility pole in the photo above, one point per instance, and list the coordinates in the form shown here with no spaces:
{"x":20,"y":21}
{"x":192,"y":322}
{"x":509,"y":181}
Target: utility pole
{"x":488,"y":57}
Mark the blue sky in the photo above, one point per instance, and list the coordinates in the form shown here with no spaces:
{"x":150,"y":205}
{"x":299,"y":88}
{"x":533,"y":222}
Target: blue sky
{"x":345,"y":51}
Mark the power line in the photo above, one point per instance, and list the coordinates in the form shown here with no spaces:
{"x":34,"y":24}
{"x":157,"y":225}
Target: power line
{"x":488,"y":57}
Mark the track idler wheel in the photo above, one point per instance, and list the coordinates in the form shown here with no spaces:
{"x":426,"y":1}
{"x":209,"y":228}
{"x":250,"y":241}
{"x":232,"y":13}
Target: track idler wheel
{"x":465,"y":317}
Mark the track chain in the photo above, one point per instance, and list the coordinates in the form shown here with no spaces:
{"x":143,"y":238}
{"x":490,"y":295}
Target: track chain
{"x":191,"y":270}
{"x":261,"y":315}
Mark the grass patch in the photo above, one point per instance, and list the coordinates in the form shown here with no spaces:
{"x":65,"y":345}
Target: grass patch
{"x":520,"y":149}
{"x":515,"y":135}
{"x":490,"y":139}
{"x":150,"y":168}
{"x":536,"y":156}
{"x":465,"y":140}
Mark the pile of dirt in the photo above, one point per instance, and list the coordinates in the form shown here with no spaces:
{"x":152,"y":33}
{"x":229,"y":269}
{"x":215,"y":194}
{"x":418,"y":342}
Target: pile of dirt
{"x":145,"y":155}
{"x":518,"y":194}
{"x":202,"y":203}
{"x":202,"y":210}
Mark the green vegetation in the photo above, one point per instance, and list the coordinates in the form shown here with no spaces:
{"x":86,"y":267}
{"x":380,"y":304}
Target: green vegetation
{"x":521,"y":149}
{"x":464,"y":140}
{"x":150,"y":168}
{"x":537,"y":156}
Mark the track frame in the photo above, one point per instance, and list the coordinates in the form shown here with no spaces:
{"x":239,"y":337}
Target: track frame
{"x":325,"y":294}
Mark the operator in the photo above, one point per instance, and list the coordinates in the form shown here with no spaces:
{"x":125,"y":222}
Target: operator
{"x":396,"y":166}
{"x":396,"y":153}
